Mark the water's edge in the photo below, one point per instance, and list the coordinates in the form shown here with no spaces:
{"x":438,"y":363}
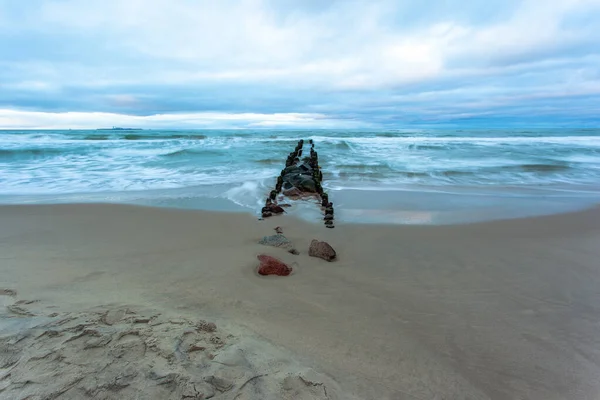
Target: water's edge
{"x":355,"y":206}
{"x":433,"y":176}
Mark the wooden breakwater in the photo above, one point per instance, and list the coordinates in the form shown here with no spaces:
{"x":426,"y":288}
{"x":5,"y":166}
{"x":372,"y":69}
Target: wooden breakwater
{"x":300,"y":179}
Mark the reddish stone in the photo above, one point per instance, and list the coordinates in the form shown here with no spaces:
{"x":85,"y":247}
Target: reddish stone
{"x":272,"y":266}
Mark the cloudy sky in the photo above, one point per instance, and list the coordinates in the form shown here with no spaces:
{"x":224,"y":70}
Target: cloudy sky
{"x":298,"y":63}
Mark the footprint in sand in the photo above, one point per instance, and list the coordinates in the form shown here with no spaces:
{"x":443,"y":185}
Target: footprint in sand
{"x":14,"y":308}
{"x":125,"y":352}
{"x":7,"y":297}
{"x":8,"y":292}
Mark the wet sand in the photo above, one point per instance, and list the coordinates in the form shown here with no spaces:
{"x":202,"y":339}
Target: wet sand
{"x":497,"y":310}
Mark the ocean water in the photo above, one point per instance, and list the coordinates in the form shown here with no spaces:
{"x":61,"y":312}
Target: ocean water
{"x":406,"y":176}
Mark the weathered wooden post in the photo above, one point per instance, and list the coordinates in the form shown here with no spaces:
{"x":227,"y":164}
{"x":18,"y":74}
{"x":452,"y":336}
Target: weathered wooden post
{"x":303,"y":180}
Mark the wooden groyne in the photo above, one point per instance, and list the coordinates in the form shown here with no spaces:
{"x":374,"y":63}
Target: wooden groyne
{"x":301,"y":178}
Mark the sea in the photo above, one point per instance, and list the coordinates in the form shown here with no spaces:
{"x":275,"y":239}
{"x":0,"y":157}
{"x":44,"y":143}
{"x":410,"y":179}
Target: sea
{"x":404,"y":176}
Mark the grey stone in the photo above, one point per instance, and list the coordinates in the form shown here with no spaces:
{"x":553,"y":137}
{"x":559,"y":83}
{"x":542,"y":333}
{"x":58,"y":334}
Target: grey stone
{"x":292,"y":192}
{"x":322,"y":250}
{"x":278,"y":240}
{"x":304,"y":183}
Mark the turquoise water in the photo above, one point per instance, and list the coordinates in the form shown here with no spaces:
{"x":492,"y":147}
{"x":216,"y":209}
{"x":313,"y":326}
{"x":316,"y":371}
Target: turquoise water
{"x":198,"y":169}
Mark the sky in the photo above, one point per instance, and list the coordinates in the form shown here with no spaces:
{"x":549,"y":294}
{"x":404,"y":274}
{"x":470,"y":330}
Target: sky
{"x":298,"y":64}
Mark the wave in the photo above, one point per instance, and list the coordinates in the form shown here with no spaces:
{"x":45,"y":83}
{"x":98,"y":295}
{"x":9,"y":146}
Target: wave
{"x":375,"y":171}
{"x":194,"y":152}
{"x":542,"y":167}
{"x":241,"y":134}
{"x":139,"y":160}
{"x":488,"y":171}
{"x":190,"y":137}
{"x":382,"y":175}
{"x":343,"y":145}
{"x":97,"y":137}
{"x":428,"y":147}
{"x":370,"y":175}
{"x":363,"y":167}
{"x":137,"y":136}
{"x":491,"y":140}
{"x":345,"y":142}
{"x":270,"y":161}
{"x":29,"y":153}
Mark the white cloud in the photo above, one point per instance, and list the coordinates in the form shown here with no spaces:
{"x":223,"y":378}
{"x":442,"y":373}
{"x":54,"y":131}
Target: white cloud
{"x":534,"y":26}
{"x":14,"y":119}
{"x":246,"y":40}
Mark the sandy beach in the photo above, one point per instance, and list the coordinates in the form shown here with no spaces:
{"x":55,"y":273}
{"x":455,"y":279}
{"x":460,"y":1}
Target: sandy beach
{"x":496,"y":310}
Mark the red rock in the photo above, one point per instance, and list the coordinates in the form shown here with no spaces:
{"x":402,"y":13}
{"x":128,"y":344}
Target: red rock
{"x":272,"y":266}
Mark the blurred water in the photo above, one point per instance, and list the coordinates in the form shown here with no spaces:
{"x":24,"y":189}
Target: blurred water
{"x":176,"y":167}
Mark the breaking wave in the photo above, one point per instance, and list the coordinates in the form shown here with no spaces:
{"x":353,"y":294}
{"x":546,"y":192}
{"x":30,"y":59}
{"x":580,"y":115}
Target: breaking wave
{"x":61,"y":161}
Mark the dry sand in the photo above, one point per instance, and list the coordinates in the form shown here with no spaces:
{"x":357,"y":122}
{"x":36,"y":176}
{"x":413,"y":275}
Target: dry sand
{"x":500,"y":310}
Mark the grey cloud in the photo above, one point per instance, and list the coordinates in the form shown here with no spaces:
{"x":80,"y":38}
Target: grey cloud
{"x":380,"y":62}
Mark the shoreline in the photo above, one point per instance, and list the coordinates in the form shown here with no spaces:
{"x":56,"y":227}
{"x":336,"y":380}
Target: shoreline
{"x":425,"y":206}
{"x":489,"y":310}
{"x":308,"y":208}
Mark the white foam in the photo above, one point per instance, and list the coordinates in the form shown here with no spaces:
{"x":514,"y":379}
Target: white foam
{"x":567,"y":140}
{"x":249,"y":194}
{"x":116,"y":165}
